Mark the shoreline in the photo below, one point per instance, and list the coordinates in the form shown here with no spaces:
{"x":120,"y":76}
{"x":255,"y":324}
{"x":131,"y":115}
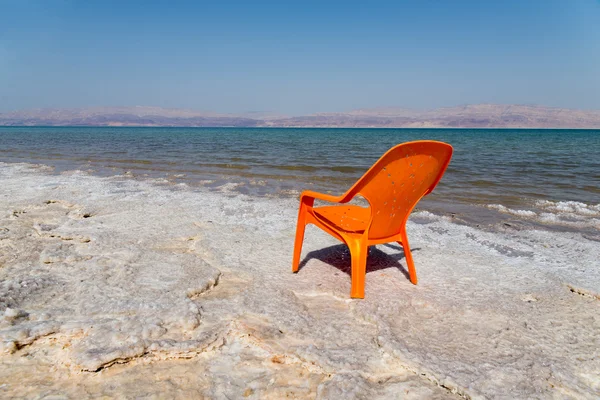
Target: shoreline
{"x":311,"y":127}
{"x":551,"y":215}
{"x":118,"y":286}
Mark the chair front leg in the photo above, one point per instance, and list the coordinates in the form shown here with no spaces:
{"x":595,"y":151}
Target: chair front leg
{"x":305,"y":204}
{"x":358,"y":254}
{"x":300,"y":228}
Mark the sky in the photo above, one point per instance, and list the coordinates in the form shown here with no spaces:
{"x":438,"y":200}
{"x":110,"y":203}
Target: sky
{"x":298,"y":57}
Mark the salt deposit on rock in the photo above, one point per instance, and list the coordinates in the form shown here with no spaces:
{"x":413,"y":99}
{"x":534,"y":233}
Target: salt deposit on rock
{"x":114,"y":287}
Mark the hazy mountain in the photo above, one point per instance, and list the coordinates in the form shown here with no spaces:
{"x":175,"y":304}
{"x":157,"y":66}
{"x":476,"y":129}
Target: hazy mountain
{"x":123,"y":116}
{"x":470,"y":116}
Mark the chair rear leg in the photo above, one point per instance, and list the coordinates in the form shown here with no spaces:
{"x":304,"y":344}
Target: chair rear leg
{"x":412,"y":273}
{"x":358,"y":255}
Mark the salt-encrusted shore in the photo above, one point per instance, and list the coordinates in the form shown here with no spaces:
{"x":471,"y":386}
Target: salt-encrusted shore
{"x":122,"y":288}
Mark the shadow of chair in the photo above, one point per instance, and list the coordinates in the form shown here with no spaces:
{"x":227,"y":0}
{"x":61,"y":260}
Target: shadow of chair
{"x":338,"y":256}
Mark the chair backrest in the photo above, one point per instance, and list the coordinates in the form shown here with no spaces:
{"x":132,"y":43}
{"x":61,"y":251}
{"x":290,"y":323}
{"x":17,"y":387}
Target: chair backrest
{"x":398,"y":180}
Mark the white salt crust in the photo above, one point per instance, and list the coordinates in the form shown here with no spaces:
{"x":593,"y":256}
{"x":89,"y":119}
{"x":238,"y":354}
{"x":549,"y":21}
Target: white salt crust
{"x":120,"y":288}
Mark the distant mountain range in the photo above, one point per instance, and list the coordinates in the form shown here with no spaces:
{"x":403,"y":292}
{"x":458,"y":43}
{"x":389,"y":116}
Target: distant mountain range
{"x":469,"y":116}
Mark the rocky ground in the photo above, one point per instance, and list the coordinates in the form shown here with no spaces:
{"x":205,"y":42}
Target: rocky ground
{"x":111,"y":287}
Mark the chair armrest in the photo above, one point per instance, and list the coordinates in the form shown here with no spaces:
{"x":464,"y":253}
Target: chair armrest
{"x":321,"y":196}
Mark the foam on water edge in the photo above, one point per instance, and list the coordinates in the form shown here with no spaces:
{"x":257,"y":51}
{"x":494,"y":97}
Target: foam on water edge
{"x":566,"y":213}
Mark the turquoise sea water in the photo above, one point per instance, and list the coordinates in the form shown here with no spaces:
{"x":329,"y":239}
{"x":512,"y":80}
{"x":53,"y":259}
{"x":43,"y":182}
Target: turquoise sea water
{"x":512,"y":171}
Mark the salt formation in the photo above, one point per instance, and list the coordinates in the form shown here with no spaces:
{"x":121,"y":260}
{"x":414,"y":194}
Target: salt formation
{"x":115,"y":287}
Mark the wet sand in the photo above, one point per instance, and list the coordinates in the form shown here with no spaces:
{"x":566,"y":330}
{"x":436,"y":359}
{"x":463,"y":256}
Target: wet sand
{"x":126,"y":288}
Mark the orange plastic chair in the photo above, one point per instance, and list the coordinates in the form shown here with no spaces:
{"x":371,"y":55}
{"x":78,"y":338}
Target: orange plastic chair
{"x":392,"y":187}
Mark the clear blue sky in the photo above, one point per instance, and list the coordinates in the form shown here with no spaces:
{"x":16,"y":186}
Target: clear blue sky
{"x":298,"y":57}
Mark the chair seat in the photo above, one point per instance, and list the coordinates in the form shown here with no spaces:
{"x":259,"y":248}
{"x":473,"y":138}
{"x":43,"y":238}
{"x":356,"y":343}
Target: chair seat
{"x":351,"y":219}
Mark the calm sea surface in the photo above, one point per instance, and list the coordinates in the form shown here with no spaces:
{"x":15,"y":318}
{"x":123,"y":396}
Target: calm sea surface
{"x":517,"y":169}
